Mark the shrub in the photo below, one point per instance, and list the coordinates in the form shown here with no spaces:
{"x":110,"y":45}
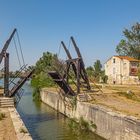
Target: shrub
{"x":36,"y":94}
{"x":84,"y":125}
{"x":93,"y":125}
{"x":2,"y":116}
{"x":23,"y":130}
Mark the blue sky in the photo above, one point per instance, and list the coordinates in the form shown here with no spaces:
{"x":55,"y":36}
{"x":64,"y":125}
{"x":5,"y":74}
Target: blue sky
{"x":96,"y":25}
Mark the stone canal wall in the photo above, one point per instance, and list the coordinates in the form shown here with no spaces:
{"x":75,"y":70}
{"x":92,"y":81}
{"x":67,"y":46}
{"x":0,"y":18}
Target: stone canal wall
{"x":110,"y":125}
{"x":20,"y":129}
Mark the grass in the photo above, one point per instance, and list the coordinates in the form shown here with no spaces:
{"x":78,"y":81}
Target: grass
{"x":131,"y":96}
{"x":2,"y":116}
{"x":115,"y":109}
{"x":129,"y":92}
{"x":23,"y":130}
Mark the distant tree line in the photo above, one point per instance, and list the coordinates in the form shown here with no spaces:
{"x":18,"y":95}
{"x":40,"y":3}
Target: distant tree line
{"x":50,"y":62}
{"x":16,"y":74}
{"x":96,"y":73}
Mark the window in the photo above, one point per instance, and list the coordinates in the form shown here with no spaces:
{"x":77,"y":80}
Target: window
{"x":113,"y":60}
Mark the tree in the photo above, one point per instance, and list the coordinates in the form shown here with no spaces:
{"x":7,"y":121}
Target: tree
{"x":130,"y":46}
{"x":96,"y":73}
{"x":48,"y":62}
{"x":89,"y":71}
{"x":97,"y":69}
{"x":104,"y":77}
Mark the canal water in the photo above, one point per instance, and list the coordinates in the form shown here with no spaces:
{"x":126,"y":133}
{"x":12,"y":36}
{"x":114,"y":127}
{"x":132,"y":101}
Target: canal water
{"x":44,"y":123}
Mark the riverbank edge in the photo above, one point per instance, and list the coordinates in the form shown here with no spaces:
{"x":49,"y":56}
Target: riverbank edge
{"x":110,"y":125}
{"x":19,"y":126}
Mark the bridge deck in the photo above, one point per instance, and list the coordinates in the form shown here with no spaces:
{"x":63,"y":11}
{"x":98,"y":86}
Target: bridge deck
{"x":61,"y":82}
{"x":20,"y":83}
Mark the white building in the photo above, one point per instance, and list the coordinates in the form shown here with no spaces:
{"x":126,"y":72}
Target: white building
{"x":122,"y":70}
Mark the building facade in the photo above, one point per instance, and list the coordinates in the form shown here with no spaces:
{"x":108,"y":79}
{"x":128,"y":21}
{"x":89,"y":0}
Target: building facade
{"x":122,"y":70}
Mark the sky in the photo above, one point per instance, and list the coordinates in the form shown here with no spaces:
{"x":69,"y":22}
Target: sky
{"x":96,"y":25}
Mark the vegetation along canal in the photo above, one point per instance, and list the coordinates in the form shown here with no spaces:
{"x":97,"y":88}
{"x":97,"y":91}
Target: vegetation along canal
{"x":44,"y":123}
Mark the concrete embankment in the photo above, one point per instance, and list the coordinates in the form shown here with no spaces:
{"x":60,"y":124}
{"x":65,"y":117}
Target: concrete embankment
{"x":110,"y":125}
{"x":20,"y":129}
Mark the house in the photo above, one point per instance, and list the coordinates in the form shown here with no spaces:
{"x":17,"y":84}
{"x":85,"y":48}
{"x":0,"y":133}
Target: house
{"x":122,"y":70}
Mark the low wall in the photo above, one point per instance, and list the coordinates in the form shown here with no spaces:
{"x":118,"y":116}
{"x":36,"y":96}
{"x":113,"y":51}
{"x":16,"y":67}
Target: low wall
{"x":110,"y":125}
{"x":19,"y":125}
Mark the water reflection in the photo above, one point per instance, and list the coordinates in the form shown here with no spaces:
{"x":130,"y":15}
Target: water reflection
{"x":44,"y":123}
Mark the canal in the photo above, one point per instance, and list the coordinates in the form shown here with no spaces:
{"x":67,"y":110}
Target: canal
{"x":44,"y":123}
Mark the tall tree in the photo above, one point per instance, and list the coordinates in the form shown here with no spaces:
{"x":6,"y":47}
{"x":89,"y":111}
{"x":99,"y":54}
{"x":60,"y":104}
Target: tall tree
{"x":97,"y":66}
{"x":89,"y":71}
{"x":97,"y":69}
{"x":130,"y":46}
{"x":47,"y":62}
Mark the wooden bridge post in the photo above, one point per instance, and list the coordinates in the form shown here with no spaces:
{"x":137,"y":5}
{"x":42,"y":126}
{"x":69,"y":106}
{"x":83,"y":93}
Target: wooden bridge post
{"x":6,"y":74}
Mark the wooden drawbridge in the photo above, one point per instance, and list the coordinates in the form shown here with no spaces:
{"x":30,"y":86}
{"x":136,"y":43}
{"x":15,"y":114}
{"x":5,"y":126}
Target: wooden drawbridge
{"x":4,"y":55}
{"x":78,"y":67}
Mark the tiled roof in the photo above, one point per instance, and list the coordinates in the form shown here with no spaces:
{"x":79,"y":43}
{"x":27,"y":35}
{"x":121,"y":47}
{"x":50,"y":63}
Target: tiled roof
{"x":128,"y":58}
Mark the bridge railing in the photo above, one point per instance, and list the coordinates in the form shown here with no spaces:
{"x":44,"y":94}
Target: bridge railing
{"x":17,"y":74}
